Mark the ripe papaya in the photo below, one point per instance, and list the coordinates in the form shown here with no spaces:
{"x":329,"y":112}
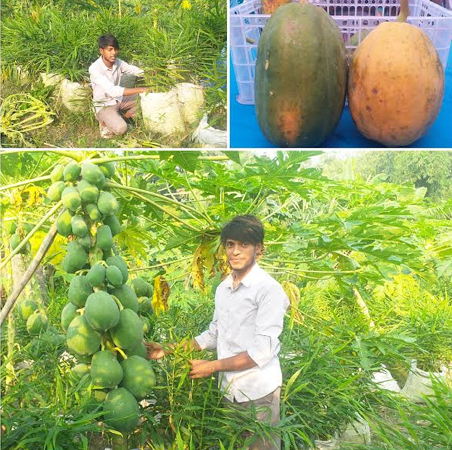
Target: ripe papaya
{"x":75,"y":258}
{"x":128,"y":333}
{"x":64,"y":223}
{"x":79,"y":290}
{"x":121,"y":410}
{"x":120,"y":264}
{"x":67,"y":315}
{"x":26,"y":308}
{"x":107,"y":204}
{"x":71,"y":198}
{"x":101,"y":311}
{"x":92,"y":174}
{"x":114,"y":276}
{"x":55,"y":191}
{"x":106,"y":372}
{"x":114,"y":224}
{"x":96,"y":275}
{"x":88,"y":192}
{"x":104,"y":239}
{"x":79,"y":227}
{"x":126,"y":296}
{"x":37,"y":323}
{"x":71,"y":172}
{"x":93,"y":212}
{"x":138,"y":378}
{"x":82,"y":339}
{"x":57,"y":173}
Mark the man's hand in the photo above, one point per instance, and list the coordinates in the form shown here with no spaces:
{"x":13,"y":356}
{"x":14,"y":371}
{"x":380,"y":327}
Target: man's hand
{"x":154,"y":350}
{"x":200,"y":368}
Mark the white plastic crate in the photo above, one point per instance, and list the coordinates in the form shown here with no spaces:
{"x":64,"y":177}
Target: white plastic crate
{"x":352,"y":16}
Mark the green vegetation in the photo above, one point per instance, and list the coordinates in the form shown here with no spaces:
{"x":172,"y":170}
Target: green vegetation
{"x":366,"y":264}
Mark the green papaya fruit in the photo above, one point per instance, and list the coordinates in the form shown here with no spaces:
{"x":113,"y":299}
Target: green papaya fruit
{"x":79,"y":290}
{"x":114,"y":276}
{"x":79,"y":227}
{"x":64,"y":223}
{"x":114,"y":224}
{"x":96,"y":275}
{"x":67,"y":315}
{"x":71,"y":172}
{"x":88,"y":192}
{"x":104,"y":239}
{"x":121,"y":410}
{"x":71,"y":198}
{"x":55,"y":191}
{"x":75,"y":258}
{"x":57,"y":173}
{"x":93,"y":212}
{"x":106,"y":372}
{"x":82,"y":339}
{"x":120,"y":264}
{"x":101,"y":311}
{"x":107,"y":204}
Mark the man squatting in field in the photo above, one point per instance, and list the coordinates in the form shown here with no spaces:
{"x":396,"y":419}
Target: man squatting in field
{"x":112,"y":102}
{"x":248,"y":318}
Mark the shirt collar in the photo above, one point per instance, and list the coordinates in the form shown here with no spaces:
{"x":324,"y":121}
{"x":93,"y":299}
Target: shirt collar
{"x":105,"y":68}
{"x":249,"y":277}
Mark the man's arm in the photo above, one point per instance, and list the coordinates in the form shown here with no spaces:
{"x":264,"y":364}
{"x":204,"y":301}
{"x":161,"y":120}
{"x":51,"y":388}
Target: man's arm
{"x":203,"y":368}
{"x":157,"y":351}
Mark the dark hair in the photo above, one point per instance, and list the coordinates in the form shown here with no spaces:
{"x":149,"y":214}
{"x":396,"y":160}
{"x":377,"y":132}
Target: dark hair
{"x":107,"y":39}
{"x":245,"y":228}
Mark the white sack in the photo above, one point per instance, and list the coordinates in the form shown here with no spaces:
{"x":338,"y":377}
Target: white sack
{"x":210,"y":137}
{"x":74,"y":95}
{"x":191,"y":99}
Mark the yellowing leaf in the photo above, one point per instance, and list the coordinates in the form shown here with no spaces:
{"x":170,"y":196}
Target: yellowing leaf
{"x":161,"y":294}
{"x":293,"y":293}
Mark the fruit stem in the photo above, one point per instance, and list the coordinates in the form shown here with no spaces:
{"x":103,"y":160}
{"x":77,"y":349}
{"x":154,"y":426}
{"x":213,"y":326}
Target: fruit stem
{"x":118,"y":303}
{"x":404,"y":11}
{"x":117,"y":349}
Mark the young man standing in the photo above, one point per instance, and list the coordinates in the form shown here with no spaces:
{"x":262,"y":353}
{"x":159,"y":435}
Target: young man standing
{"x":112,"y":102}
{"x":248,"y":319}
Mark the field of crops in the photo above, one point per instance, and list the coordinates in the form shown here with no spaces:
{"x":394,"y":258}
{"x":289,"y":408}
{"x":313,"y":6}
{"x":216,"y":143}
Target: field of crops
{"x":172,"y":41}
{"x":361,"y":245}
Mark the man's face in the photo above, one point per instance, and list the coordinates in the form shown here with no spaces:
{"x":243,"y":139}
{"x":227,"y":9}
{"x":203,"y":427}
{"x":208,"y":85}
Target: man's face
{"x":109,"y":54}
{"x":241,"y":255}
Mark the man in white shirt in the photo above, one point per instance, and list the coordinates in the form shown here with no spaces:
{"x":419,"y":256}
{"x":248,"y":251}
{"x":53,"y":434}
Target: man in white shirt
{"x":112,"y":102}
{"x":249,"y":312}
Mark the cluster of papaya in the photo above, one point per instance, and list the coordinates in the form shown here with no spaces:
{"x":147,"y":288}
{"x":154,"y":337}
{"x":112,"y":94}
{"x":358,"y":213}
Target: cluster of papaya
{"x":105,"y":319}
{"x":395,"y":83}
{"x":16,"y":233}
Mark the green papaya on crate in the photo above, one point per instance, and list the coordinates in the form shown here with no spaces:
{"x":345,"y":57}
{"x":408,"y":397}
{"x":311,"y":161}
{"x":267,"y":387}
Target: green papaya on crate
{"x":79,"y":290}
{"x":71,"y":172}
{"x":76,"y":257}
{"x":139,"y":378}
{"x":55,"y":191}
{"x":79,"y":227}
{"x":300,"y":82}
{"x":114,"y":276}
{"x":107,"y":204}
{"x":37,"y":323}
{"x":121,"y":410}
{"x":26,"y":308}
{"x":88,"y":192}
{"x":71,"y":198}
{"x":93,"y":212}
{"x":82,"y":339}
{"x":101,"y":311}
{"x":128,"y":333}
{"x":64,"y":223}
{"x":92,"y":174}
{"x":120,"y":264}
{"x":96,"y":275}
{"x":104,"y":237}
{"x":57,"y":173}
{"x":106,"y":372}
{"x":67,"y":315}
{"x":126,"y":296}
{"x":114,"y":224}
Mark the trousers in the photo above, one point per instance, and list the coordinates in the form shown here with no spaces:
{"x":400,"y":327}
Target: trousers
{"x":111,"y":116}
{"x":267,"y":410}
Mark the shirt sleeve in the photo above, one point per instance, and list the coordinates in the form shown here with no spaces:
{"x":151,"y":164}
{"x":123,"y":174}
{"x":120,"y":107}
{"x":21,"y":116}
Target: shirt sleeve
{"x":272,"y":306}
{"x":130,"y":68}
{"x":109,"y":87}
{"x":208,"y":339}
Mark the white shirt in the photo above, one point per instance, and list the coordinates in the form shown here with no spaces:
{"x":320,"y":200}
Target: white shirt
{"x":248,"y":318}
{"x":105,"y":81}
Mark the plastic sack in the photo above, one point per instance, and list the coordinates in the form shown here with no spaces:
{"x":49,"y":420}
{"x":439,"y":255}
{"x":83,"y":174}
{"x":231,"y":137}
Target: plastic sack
{"x":162,"y":113}
{"x":419,"y":383}
{"x":326,"y":445}
{"x":191,"y":99}
{"x":357,"y":432}
{"x":74,"y":95}
{"x":51,"y":79}
{"x":385,"y":381}
{"x":210,"y":137}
